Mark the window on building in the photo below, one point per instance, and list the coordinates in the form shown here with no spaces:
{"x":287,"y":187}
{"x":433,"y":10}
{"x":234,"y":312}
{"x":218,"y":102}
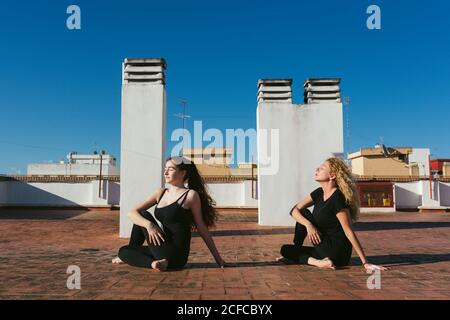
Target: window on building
{"x":376,"y":194}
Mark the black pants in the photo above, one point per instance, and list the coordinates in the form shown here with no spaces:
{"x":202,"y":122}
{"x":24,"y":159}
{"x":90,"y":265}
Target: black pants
{"x":339,"y":250}
{"x":137,"y":255}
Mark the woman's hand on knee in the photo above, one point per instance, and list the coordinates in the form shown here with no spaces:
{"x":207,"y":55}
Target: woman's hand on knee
{"x":313,"y":234}
{"x":154,"y":234}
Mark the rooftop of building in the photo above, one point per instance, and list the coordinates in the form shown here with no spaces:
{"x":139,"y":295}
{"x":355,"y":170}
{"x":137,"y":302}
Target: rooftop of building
{"x":378,"y":151}
{"x":39,"y":245}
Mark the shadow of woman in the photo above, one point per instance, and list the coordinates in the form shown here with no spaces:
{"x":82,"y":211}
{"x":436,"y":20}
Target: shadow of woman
{"x":390,"y":260}
{"x":241,"y":264}
{"x":404,"y":259}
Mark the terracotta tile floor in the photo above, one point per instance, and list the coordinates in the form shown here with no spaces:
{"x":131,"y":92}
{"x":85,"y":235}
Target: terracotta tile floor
{"x":37,"y":246}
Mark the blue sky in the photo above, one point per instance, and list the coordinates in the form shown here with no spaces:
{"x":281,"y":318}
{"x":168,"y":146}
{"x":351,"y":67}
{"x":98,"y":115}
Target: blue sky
{"x":60,"y":89}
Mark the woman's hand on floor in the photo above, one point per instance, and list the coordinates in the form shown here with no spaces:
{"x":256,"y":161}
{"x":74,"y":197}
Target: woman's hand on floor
{"x":222,"y":264}
{"x":313,"y":234}
{"x":372,"y":267}
{"x":154,"y":234}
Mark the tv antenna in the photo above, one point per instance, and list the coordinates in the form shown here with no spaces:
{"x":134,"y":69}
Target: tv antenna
{"x":346,"y":102}
{"x":183,"y":115}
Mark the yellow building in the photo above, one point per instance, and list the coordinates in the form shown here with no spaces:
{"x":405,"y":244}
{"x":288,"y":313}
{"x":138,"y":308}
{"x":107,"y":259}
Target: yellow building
{"x":213,"y":163}
{"x":379,"y":161}
{"x":446,"y":170}
{"x":210,"y":156}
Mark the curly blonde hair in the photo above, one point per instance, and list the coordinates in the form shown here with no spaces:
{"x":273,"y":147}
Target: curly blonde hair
{"x":346,"y":184}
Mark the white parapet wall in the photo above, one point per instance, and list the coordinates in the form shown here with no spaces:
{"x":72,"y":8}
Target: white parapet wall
{"x":408,"y":195}
{"x":143,"y":129}
{"x":308,"y":135}
{"x":236,"y":194}
{"x":3,"y":192}
{"x":19,"y":193}
{"x":430,"y":192}
{"x":444,"y":194}
{"x":71,"y":169}
{"x":70,"y":194}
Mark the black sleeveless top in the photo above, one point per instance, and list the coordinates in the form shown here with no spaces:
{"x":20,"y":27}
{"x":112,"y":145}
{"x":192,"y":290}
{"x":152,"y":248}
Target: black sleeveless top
{"x":176,"y":222}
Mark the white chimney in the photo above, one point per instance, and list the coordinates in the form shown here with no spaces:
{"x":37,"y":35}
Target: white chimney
{"x":142,"y":133}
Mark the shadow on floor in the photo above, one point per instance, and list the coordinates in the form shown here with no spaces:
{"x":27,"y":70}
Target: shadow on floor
{"x":251,"y":232}
{"x":387,"y":260}
{"x":404,"y":259}
{"x":398,"y":225}
{"x":41,"y":214}
{"x":243,"y":264}
{"x":359,"y":226}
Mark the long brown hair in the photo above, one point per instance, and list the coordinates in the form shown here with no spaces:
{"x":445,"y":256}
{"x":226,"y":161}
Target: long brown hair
{"x":195,"y":182}
{"x":346,"y":184}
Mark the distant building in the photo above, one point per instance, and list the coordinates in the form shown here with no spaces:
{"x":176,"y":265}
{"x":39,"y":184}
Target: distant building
{"x":77,"y":165}
{"x":440,"y":166}
{"x":446,"y":170}
{"x":210,"y":156}
{"x":384,"y":161}
{"x":213,"y":163}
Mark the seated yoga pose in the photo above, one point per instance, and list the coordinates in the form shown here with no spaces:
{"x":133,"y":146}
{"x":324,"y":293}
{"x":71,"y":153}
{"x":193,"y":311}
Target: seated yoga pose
{"x":329,"y":226}
{"x":178,"y":210}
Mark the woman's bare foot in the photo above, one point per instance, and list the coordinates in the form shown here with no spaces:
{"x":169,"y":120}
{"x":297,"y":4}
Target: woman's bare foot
{"x":282,"y":260}
{"x":325,"y":263}
{"x":116,"y":260}
{"x":160,"y":265}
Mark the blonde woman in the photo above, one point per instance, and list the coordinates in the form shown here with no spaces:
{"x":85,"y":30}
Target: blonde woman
{"x":329,"y":226}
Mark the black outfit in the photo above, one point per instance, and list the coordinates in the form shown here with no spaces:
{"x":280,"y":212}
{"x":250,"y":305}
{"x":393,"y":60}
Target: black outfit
{"x":334,"y":243}
{"x":176,"y":222}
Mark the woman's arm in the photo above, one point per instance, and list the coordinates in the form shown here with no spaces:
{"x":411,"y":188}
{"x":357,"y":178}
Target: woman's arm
{"x":196,"y":209}
{"x":154,"y":231}
{"x":345,"y":221}
{"x":313,"y":233}
{"x":296,"y":214}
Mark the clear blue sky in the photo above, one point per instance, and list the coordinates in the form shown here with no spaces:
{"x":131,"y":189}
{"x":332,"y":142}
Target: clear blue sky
{"x":60,"y":89}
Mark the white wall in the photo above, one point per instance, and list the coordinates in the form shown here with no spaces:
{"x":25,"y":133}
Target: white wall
{"x":3,"y":191}
{"x":232,"y":194}
{"x":421,"y":156}
{"x":407,"y":195}
{"x":55,"y":194}
{"x":227,"y":194}
{"x":114,"y":192}
{"x":71,"y":169}
{"x":427,"y":200}
{"x":377,"y":209}
{"x":444,"y":193}
{"x":237,"y":194}
{"x":308,"y":134}
{"x":250,"y":198}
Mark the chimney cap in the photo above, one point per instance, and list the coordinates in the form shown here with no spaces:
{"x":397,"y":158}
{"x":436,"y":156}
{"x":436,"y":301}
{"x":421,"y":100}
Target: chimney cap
{"x":322,"y":81}
{"x":146,"y":61}
{"x":286,"y":82}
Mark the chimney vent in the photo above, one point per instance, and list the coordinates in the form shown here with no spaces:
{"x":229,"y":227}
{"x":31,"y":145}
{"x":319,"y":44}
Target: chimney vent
{"x":322,"y":90}
{"x":144,"y":70}
{"x":275,"y":90}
